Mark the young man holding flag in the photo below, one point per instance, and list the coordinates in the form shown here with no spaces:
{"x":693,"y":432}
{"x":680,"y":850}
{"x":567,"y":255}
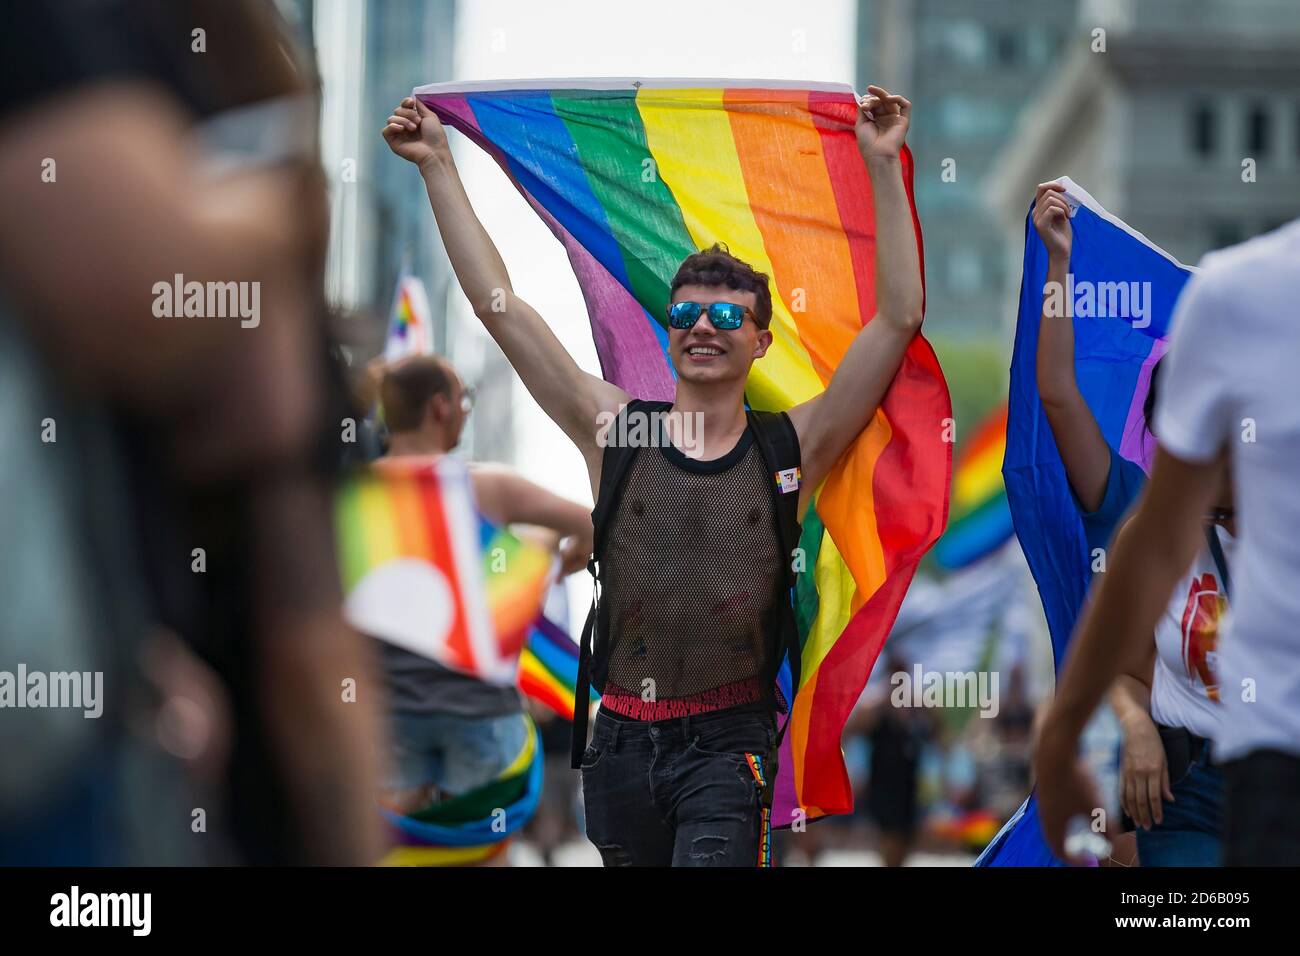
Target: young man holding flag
{"x":692,"y":549}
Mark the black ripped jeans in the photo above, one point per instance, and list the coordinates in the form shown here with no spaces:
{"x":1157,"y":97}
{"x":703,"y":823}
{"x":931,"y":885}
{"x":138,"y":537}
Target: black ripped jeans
{"x":690,"y":791}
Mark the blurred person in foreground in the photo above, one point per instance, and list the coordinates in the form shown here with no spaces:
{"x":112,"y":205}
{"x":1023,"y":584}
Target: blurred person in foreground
{"x":452,"y":733}
{"x":175,"y":535}
{"x":1229,"y":395}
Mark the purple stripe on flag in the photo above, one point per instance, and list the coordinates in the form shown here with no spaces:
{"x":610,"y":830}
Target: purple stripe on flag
{"x":1136,"y":446}
{"x":555,"y":637}
{"x":784,"y":800}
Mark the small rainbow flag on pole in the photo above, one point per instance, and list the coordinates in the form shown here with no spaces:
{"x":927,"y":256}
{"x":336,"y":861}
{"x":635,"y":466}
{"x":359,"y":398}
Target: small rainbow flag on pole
{"x":980,"y":519}
{"x":422,"y":570}
{"x":632,"y":176}
{"x":410,"y":329}
{"x":518,"y":574}
{"x":548,"y":668}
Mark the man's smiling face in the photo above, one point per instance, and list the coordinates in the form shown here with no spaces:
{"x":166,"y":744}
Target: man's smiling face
{"x":703,"y":354}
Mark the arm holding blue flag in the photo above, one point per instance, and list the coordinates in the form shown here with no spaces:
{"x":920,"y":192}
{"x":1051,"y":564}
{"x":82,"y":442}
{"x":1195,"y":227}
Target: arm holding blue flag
{"x":1083,"y":448}
{"x":1104,"y":483}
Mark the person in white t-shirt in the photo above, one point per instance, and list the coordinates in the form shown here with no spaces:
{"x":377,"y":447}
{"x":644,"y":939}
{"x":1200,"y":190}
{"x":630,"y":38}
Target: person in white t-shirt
{"x":1231,"y":393}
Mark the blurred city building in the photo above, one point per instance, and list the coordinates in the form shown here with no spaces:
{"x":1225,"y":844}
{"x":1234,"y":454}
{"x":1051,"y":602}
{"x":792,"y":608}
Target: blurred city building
{"x":1186,"y":124}
{"x":370,"y":54}
{"x":970,"y":70}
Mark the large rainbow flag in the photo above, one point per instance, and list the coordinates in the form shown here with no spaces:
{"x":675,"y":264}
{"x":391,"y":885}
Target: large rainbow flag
{"x":1113,"y":360}
{"x":980,"y":521}
{"x":634,"y":175}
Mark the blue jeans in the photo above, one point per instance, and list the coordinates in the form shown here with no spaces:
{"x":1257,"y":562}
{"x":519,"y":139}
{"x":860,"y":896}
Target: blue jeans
{"x":690,"y":791}
{"x":1191,"y":833}
{"x":454,"y":754}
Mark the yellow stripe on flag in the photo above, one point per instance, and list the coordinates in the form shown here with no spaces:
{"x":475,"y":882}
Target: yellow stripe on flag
{"x":695,"y":157}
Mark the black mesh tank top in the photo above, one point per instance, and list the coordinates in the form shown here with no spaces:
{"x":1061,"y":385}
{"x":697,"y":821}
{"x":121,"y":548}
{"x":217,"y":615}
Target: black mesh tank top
{"x":690,"y":574}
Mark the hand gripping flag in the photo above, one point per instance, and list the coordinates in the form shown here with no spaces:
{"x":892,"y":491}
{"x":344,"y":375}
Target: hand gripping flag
{"x":632,"y":177}
{"x":1110,"y":264}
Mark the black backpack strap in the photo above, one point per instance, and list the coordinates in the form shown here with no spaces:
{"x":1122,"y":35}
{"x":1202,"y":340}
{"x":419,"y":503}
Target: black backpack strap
{"x":1216,"y":552}
{"x":582,"y":688}
{"x":615,"y":461}
{"x":779,"y":444}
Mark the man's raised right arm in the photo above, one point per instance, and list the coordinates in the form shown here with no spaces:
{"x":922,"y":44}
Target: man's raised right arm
{"x":571,"y":397}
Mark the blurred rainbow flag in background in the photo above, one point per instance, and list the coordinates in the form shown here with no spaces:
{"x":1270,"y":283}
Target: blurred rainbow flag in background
{"x":410,"y":328}
{"x":1113,"y":357}
{"x":634,"y":175}
{"x":422,"y":570}
{"x":548,"y":668}
{"x":980,"y":520}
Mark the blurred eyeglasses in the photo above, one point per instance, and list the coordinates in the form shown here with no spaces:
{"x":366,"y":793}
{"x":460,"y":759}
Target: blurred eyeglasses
{"x":467,"y":399}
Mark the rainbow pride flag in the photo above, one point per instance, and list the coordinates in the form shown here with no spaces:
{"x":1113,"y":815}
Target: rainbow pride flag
{"x":634,"y":175}
{"x":1113,"y":360}
{"x":422,"y":570}
{"x":517,"y":575}
{"x":980,"y":520}
{"x":548,"y":668}
{"x":410,"y":328}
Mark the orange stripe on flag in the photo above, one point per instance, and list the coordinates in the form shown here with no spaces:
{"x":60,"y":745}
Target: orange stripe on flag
{"x":811,"y":265}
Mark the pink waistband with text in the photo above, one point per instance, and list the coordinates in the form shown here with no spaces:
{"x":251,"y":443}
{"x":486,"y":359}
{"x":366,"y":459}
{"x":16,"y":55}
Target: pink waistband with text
{"x":631,"y":705}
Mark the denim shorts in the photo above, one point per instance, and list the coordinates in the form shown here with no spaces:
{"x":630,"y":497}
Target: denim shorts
{"x":1191,"y":833}
{"x":454,"y":754}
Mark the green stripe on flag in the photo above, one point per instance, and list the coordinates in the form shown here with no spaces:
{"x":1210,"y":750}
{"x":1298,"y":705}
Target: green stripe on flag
{"x":351,"y":533}
{"x":642,"y":212}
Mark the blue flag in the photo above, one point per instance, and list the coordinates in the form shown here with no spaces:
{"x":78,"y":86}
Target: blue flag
{"x":1123,"y":288}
